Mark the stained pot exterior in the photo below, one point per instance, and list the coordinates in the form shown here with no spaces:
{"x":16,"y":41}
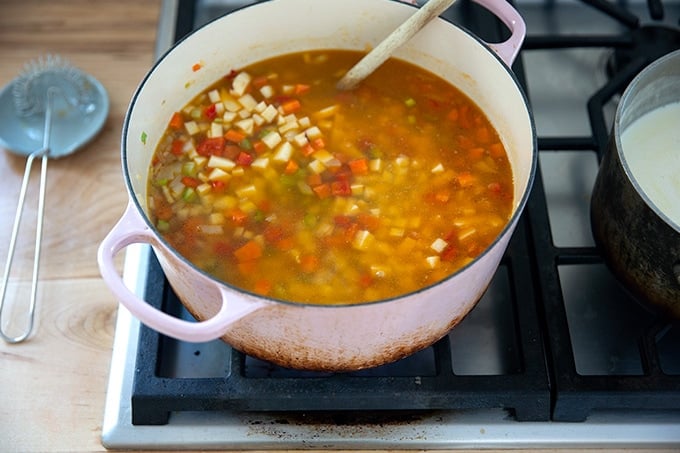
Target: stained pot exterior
{"x":331,"y":338}
{"x":639,"y":244}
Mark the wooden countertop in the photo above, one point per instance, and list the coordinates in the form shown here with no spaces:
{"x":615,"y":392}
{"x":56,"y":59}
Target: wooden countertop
{"x":53,"y":386}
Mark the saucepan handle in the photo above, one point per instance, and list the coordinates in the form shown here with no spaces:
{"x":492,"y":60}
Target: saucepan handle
{"x":507,"y":50}
{"x":131,"y":229}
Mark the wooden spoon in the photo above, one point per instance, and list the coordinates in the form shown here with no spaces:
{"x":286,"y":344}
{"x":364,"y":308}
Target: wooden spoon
{"x":392,"y":42}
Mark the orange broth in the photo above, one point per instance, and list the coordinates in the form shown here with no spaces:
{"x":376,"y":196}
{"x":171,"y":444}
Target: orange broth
{"x":275,"y":182}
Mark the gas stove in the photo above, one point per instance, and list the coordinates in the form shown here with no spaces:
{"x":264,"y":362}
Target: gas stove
{"x":556,"y":354}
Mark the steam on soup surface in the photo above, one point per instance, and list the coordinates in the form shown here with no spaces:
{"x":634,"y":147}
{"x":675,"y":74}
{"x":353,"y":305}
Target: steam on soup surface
{"x":275,"y":182}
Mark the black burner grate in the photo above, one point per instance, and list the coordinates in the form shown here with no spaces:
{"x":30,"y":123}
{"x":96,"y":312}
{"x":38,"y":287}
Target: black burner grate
{"x":542,"y":379}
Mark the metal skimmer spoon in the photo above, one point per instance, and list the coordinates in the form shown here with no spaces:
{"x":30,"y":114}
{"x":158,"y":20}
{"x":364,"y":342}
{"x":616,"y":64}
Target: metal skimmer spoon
{"x":50,"y":110}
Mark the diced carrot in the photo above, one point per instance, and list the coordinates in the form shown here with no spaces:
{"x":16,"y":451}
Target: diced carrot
{"x":218,"y":186}
{"x":341,"y":188}
{"x":176,"y":122}
{"x":260,"y":81}
{"x":465,"y":179}
{"x":291,"y":167}
{"x":368,"y":222}
{"x":496,"y":150}
{"x":314,"y":179}
{"x":358,"y":166}
{"x":307,"y":149}
{"x":223,"y":249}
{"x":177,"y":147}
{"x":318,"y":143}
{"x":234,"y":136}
{"x":244,"y":159}
{"x":449,"y":253}
{"x":250,"y":251}
{"x":190,"y":182}
{"x":343,"y":220}
{"x":483,"y":135}
{"x":273,"y":233}
{"x":210,"y":112}
{"x":259,"y":147}
{"x":476,"y":152}
{"x":366,"y":280}
{"x":196,"y":67}
{"x":453,"y":114}
{"x":309,"y":263}
{"x":237,"y":216}
{"x":322,"y":190}
{"x":285,"y":244}
{"x":290,"y":106}
{"x":211,"y":146}
{"x":301,"y":88}
{"x":263,"y":287}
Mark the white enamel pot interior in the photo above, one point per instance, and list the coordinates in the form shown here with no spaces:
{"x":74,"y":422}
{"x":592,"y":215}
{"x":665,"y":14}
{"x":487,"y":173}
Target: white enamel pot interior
{"x":332,"y":338}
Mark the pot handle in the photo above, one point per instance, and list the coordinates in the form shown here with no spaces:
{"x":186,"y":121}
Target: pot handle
{"x":131,"y":229}
{"x":507,"y":50}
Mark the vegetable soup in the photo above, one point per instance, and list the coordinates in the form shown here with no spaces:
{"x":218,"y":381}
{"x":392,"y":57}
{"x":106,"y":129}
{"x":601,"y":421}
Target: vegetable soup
{"x":275,"y":182}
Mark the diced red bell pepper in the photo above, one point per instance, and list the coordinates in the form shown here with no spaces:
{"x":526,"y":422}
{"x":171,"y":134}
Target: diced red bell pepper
{"x":211,"y":146}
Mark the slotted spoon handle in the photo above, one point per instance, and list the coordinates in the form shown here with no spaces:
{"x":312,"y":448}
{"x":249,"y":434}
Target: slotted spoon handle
{"x":392,"y":42}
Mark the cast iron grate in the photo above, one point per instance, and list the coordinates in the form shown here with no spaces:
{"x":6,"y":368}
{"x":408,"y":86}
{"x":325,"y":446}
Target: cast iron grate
{"x":576,"y":395}
{"x":522,"y":387}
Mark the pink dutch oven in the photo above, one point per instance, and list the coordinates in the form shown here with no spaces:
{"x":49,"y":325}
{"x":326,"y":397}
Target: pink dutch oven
{"x":304,"y":336}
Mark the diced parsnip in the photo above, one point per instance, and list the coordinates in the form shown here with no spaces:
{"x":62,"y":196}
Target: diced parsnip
{"x":257,"y":118}
{"x":270,"y":113}
{"x":214,"y":96}
{"x":300,"y":140}
{"x":433,"y":261}
{"x":304,"y":122}
{"x":260,"y":162}
{"x":246,"y":191}
{"x":466,"y":233}
{"x":357,"y":189}
{"x":375,"y":165}
{"x":272,"y":139}
{"x":200,"y":161}
{"x":326,"y":112}
{"x":362,"y":240}
{"x":397,"y":232}
{"x":247,"y":206}
{"x":221,"y":162}
{"x":238,"y":171}
{"x":267,"y":91}
{"x":192,"y":127}
{"x":243,"y":113}
{"x":216,"y":130}
{"x":439,"y":245}
{"x":240,"y":83}
{"x":439,"y":168}
{"x":402,"y":161}
{"x":378,"y":271}
{"x":304,"y":188}
{"x":217,"y":174}
{"x":248,"y":102}
{"x":246,"y":125}
{"x":232,"y":105}
{"x":316,"y":166}
{"x":228,"y":117}
{"x":203,"y":189}
{"x":283,"y":152}
{"x":288,"y":89}
{"x":216,"y":218}
{"x":225,"y":202}
{"x":211,"y":229}
{"x":313,"y":133}
{"x":219,"y":108}
{"x":261,"y":106}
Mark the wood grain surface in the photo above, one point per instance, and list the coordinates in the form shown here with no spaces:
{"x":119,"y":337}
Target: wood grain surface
{"x":52,"y":387}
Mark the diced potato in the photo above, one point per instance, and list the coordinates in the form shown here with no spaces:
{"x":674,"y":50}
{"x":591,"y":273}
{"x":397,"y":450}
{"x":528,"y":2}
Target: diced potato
{"x":240,"y":83}
{"x":439,"y":245}
{"x":221,"y":162}
{"x":192,"y":127}
{"x":272,"y":139}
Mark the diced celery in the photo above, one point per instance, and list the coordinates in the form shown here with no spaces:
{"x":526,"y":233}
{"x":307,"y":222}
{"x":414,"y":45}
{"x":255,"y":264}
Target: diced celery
{"x":163,"y":226}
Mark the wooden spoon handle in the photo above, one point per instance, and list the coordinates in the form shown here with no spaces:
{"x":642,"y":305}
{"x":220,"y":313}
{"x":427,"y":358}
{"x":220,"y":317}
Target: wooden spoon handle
{"x":393,"y":41}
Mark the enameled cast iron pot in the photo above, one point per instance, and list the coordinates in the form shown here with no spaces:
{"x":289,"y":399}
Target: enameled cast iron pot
{"x":640,"y":242}
{"x":332,"y":338}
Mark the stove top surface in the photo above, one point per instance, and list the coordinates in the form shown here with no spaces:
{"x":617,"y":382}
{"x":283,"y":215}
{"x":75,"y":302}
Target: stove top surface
{"x":596,"y":367}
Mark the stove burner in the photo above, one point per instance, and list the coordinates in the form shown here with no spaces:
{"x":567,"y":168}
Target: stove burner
{"x":648,"y":43}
